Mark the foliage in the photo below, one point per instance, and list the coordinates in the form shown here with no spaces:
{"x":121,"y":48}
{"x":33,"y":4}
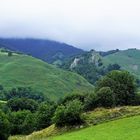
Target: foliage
{"x":44,"y":115}
{"x":68,"y":115}
{"x":4,"y":126}
{"x":90,"y":102}
{"x":17,"y":104}
{"x":24,"y":92}
{"x":71,"y":97}
{"x":22,"y":122}
{"x":105,"y":97}
{"x":122,"y":84}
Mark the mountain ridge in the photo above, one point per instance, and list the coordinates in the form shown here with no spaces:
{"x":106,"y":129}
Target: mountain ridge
{"x":44,"y":49}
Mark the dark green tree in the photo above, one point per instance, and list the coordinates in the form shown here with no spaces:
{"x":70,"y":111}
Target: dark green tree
{"x":22,"y":122}
{"x":44,"y":115}
{"x":122,"y":84}
{"x":4,"y":126}
{"x":68,"y":115}
{"x":16,"y":104}
{"x":105,"y":97}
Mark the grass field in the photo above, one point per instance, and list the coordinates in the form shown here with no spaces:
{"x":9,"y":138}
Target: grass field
{"x":22,"y":70}
{"x":123,"y":129}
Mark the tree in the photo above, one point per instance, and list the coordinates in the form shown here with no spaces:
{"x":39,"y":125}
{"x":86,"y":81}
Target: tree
{"x":16,"y":104}
{"x":122,"y":84}
{"x":68,"y":115}
{"x":71,"y":97}
{"x":105,"y":97}
{"x":22,"y":122}
{"x":90,"y":102}
{"x":25,"y":92}
{"x":44,"y":115}
{"x":4,"y":126}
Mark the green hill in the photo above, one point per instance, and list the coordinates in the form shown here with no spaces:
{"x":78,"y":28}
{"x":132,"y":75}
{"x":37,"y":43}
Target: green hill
{"x":128,"y":60}
{"x":25,"y":71}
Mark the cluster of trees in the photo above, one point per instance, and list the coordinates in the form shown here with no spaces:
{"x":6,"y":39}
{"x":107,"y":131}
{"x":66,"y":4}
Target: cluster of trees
{"x":24,"y":113}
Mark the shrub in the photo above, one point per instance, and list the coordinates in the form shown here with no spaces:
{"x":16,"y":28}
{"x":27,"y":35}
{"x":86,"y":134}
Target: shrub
{"x":22,"y":122}
{"x":22,"y":104}
{"x":122,"y":84}
{"x":105,"y":97}
{"x":4,"y":126}
{"x":68,"y":115}
{"x":44,"y":115}
{"x":90,"y":102}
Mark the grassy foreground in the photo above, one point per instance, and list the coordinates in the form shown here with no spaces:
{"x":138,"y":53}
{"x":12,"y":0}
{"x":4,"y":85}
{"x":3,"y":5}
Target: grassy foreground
{"x":123,"y":129}
{"x":107,"y":124}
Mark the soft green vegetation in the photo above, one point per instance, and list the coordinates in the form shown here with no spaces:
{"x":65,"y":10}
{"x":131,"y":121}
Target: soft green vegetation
{"x":27,"y":110}
{"x":115,"y":89}
{"x":98,"y":116}
{"x":128,"y":128}
{"x":128,"y":60}
{"x":19,"y":70}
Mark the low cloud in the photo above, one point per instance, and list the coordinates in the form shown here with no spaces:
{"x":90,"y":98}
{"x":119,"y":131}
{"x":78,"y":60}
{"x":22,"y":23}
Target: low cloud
{"x":87,"y":24}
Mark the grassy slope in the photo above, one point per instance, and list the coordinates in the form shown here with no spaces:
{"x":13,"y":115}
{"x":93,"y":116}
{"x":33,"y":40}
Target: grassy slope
{"x":23,"y":70}
{"x":123,"y":129}
{"x":98,"y":116}
{"x":128,"y":60}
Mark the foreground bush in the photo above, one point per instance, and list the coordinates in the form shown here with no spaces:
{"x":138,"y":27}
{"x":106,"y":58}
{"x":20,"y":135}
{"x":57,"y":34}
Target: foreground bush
{"x":68,"y":115}
{"x":4,"y":126}
{"x":105,"y":97}
{"x":44,"y":115}
{"x":22,"y":122}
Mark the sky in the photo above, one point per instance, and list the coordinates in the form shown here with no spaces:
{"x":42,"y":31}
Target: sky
{"x":86,"y":24}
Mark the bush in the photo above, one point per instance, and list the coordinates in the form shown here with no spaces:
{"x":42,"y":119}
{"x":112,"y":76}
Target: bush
{"x":68,"y":115}
{"x":105,"y":97}
{"x":44,"y":115}
{"x":90,"y":102}
{"x":71,"y":97}
{"x":24,"y":92}
{"x":22,"y":122}
{"x":122,"y":84}
{"x":4,"y":126}
{"x":17,"y":104}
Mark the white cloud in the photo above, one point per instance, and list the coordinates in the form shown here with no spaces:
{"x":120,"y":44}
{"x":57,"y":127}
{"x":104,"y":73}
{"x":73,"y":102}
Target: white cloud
{"x":97,"y":24}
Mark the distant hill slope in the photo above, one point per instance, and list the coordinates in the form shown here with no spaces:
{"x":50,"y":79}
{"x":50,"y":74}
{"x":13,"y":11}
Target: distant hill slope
{"x":22,"y":70}
{"x":93,"y":65}
{"x":89,"y":65}
{"x":128,"y":60}
{"x":47,"y":50}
